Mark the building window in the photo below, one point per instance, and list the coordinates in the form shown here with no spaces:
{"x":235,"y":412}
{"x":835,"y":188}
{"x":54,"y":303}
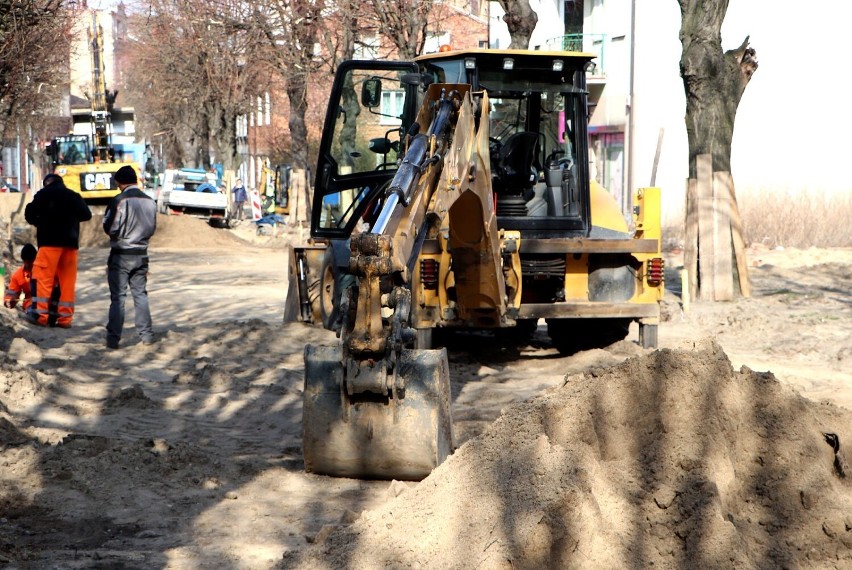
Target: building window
{"x":392,"y":105}
{"x":267,"y":107}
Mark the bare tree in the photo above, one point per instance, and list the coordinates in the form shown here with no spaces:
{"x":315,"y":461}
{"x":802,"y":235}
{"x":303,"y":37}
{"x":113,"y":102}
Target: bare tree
{"x":199,"y":74}
{"x":35,"y":45}
{"x":714,"y":82}
{"x":404,"y":22}
{"x":291,"y":29}
{"x":521,"y":20}
{"x":339,"y":40}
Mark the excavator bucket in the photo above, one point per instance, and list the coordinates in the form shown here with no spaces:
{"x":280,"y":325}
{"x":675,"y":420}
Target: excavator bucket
{"x":372,"y":436}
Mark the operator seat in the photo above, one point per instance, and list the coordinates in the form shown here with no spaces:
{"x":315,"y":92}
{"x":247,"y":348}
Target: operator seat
{"x":513,"y":171}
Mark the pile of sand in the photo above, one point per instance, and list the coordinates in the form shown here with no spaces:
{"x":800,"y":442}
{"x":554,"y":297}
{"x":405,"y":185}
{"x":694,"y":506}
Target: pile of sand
{"x":181,"y":232}
{"x":670,"y":460}
{"x":172,"y":231}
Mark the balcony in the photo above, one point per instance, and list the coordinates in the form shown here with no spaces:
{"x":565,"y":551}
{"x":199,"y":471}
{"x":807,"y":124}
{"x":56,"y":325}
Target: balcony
{"x":589,"y":43}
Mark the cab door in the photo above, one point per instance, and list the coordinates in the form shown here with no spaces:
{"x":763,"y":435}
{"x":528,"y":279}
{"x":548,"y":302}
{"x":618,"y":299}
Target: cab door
{"x":371,"y":107}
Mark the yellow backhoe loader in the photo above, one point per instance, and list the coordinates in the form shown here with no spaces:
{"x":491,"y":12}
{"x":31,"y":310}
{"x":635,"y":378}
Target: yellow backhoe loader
{"x":454,"y":192}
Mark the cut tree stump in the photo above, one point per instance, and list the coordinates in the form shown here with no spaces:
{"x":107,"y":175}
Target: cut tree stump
{"x":727,"y":181}
{"x":714,"y":242}
{"x":706,"y":229}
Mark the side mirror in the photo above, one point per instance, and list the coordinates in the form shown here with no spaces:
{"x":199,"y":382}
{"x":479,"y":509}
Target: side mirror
{"x":371,"y":93}
{"x":380,"y":145}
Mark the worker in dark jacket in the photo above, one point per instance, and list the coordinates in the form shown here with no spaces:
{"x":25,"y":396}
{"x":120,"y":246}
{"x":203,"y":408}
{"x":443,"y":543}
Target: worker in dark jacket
{"x":56,"y":212}
{"x":130,"y":221}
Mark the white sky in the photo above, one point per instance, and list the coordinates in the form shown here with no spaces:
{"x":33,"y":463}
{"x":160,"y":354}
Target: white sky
{"x":794,"y":121}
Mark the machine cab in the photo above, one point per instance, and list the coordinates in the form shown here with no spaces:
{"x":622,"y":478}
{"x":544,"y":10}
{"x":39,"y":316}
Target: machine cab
{"x":538,"y":131}
{"x":371,"y":107}
{"x":538,"y":125}
{"x":69,"y":150}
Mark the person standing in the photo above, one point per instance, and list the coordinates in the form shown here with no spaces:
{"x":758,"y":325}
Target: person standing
{"x":130,"y":221}
{"x":240,"y":196}
{"x":56,"y":212}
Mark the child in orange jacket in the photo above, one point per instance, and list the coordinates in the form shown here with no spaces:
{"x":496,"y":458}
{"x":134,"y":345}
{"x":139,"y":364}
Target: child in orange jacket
{"x":19,"y":282}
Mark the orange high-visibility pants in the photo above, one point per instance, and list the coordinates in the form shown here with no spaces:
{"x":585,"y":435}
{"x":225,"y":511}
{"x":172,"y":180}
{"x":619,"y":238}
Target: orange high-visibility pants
{"x":54,"y":267}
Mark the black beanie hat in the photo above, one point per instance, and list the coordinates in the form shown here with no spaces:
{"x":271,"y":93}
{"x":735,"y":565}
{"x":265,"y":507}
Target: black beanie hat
{"x":51,"y":179}
{"x":28,"y":252}
{"x":125,"y":175}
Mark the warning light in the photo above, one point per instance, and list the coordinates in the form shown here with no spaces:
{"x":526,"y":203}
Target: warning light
{"x":429,"y":273}
{"x":656,"y":271}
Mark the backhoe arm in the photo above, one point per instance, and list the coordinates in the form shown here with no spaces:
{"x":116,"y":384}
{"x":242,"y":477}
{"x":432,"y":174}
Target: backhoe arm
{"x":372,"y":407}
{"x":379,"y":259}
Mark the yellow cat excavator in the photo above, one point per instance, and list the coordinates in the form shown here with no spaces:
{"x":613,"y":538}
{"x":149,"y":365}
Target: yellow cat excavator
{"x":454,"y":192}
{"x":87,"y":164}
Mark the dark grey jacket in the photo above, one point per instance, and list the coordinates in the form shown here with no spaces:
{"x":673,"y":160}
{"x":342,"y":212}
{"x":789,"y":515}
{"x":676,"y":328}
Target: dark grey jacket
{"x":130,"y":220}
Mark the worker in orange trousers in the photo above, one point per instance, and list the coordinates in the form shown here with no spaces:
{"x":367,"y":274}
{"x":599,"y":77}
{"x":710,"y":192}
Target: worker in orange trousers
{"x":56,"y":212}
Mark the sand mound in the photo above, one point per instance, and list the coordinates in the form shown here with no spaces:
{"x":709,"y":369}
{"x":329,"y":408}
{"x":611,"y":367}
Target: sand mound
{"x":187,"y":232}
{"x":184,"y":232}
{"x":670,"y":460}
{"x":173,"y":231}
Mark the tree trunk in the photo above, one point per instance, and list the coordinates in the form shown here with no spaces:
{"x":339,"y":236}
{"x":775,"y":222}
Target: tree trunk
{"x":714,"y":82}
{"x":204,"y":147}
{"x":299,"y":136}
{"x":224,"y":140}
{"x":520,"y":19}
{"x":298,"y":130}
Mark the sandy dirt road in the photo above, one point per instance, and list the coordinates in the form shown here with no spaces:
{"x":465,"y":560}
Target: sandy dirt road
{"x":186,"y":454}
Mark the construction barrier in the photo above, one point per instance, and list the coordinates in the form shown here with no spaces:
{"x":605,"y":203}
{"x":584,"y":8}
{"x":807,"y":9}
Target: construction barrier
{"x":254,"y":198}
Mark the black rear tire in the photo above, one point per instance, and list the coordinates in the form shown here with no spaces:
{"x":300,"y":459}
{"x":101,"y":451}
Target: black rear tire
{"x":329,"y":294}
